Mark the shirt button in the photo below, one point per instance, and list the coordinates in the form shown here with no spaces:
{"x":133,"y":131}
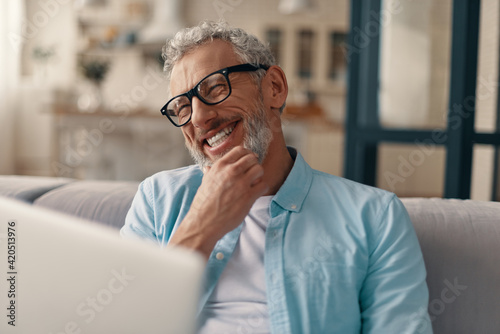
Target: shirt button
{"x":219,"y":256}
{"x":294,"y":207}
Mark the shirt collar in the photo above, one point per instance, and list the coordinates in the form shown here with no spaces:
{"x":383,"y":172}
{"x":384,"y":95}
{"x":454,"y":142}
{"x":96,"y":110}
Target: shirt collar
{"x":294,"y":190}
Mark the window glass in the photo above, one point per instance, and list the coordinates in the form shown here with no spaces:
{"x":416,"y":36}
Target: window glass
{"x":337,"y":66}
{"x":411,"y":170}
{"x":415,"y":62}
{"x":274,"y":37}
{"x":306,"y":45}
{"x":487,"y":67}
{"x":482,"y":172}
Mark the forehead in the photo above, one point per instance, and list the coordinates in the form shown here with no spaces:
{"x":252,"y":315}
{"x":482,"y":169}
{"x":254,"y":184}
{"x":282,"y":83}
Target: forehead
{"x":200,"y":62}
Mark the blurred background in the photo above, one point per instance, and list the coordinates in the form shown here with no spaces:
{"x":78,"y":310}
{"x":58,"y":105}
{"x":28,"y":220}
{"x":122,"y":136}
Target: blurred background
{"x":82,"y":84}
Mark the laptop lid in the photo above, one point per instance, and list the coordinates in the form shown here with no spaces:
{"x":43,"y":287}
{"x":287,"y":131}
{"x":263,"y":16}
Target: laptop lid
{"x":60,"y":274}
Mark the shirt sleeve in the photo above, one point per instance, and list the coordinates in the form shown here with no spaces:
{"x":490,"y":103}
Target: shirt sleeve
{"x":394,"y":296}
{"x":140,"y":219}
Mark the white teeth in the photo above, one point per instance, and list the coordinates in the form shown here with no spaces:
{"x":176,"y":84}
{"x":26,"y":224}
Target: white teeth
{"x":220,"y":136}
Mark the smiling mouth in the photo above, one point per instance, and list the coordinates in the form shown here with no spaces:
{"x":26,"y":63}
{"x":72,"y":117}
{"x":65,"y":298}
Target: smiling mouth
{"x":220,"y":136}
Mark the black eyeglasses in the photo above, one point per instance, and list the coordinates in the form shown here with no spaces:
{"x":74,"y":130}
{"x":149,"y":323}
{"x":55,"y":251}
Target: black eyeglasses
{"x":212,"y":89}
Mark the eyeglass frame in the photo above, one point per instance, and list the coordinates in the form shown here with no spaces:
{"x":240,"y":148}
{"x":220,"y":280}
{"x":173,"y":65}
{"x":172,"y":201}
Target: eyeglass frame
{"x":193,"y":92}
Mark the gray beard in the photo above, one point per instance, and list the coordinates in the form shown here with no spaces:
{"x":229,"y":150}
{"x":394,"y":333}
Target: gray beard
{"x":258,"y":136}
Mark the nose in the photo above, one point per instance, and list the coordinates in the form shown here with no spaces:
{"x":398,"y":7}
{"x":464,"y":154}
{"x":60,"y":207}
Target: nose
{"x":201,"y":113}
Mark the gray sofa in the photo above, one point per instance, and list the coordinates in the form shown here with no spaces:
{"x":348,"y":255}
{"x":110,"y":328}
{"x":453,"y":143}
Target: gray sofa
{"x":460,"y":241}
{"x":105,"y":202}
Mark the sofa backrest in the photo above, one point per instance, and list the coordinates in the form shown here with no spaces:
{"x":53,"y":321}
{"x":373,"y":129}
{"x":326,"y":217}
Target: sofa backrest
{"x":29,"y":188}
{"x":106,"y":202}
{"x":460,"y":241}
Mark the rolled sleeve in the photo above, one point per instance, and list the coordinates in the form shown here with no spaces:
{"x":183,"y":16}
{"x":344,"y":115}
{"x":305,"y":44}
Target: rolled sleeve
{"x":140,"y":219}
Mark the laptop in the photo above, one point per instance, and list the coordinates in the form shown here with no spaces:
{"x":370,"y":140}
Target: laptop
{"x":63,"y":275}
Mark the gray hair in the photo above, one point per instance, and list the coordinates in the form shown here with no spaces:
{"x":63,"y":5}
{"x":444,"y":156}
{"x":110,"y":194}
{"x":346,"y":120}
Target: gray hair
{"x":246,"y":46}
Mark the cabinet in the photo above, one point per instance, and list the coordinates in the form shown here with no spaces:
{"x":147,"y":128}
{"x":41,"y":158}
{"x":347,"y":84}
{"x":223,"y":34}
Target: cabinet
{"x":113,"y":146}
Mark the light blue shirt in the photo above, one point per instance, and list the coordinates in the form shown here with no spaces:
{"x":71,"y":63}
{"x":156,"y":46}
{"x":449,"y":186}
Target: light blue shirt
{"x":340,"y":257}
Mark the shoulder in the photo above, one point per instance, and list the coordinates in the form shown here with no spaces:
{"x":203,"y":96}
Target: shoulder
{"x":362,"y":207}
{"x":172,"y":185}
{"x":370,"y":213}
{"x":334,"y":195}
{"x":348,"y":191}
{"x":175,"y":179}
{"x":160,"y":203}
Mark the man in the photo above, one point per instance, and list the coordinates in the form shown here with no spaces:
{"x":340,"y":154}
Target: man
{"x":289,"y":249}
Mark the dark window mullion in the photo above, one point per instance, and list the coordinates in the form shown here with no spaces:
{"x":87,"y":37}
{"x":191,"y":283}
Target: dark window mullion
{"x":496,"y":177}
{"x":460,"y":128}
{"x":362,"y":99}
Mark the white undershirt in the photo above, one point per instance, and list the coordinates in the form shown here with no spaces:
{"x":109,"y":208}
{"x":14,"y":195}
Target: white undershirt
{"x":238,"y":303}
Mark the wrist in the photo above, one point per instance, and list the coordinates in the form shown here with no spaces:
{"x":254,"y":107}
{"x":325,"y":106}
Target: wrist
{"x":194,"y":235}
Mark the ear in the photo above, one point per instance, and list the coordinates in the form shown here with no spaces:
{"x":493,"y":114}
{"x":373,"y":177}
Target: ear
{"x":275,"y":87}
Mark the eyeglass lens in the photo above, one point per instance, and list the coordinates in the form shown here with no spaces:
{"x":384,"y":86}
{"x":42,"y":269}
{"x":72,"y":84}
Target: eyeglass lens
{"x":211,"y":90}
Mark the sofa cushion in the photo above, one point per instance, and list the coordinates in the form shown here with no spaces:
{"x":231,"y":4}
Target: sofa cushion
{"x":29,"y":188}
{"x":106,"y":202}
{"x":460,"y":241}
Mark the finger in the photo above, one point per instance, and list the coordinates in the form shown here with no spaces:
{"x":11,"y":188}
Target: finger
{"x":260,"y":188}
{"x":254,"y":174}
{"x":242,"y":165}
{"x":234,"y":155}
{"x":257,"y":180}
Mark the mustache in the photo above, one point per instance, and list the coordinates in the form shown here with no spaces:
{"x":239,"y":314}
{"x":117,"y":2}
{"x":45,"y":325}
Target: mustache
{"x":215,"y":124}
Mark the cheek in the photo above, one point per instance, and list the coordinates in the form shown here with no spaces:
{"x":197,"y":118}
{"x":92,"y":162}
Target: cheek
{"x":188,"y":135}
{"x":245,"y":99}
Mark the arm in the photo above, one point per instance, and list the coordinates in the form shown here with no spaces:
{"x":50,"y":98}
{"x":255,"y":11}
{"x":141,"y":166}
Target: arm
{"x":226,"y":195}
{"x":394,"y":296}
{"x":139,"y":222}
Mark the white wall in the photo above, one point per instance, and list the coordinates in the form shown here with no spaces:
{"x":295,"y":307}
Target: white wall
{"x":48,"y":24}
{"x":10,"y":12}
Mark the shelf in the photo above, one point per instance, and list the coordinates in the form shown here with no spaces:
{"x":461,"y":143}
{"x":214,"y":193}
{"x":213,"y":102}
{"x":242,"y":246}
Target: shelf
{"x":111,"y":21}
{"x":71,"y":110}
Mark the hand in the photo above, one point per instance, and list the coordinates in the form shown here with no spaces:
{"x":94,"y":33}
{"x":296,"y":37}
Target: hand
{"x":226,"y":195}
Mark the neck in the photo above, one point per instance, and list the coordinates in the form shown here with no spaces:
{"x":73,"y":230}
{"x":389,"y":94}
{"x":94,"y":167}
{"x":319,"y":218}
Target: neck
{"x":277,"y":166}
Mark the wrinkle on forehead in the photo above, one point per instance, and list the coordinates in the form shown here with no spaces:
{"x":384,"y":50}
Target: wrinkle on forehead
{"x":199,"y":62}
